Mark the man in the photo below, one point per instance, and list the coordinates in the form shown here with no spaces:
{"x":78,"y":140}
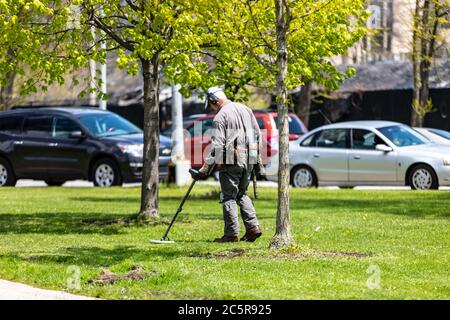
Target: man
{"x":236,"y":148}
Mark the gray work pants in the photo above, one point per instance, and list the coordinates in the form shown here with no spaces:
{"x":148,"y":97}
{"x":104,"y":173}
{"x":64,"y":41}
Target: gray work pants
{"x":234,"y":182}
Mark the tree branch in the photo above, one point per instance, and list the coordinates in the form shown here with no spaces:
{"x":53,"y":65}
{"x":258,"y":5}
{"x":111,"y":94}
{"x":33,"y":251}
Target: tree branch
{"x":310,"y":12}
{"x":101,"y":25}
{"x":133,"y":6}
{"x":269,"y":46}
{"x":265,"y":63}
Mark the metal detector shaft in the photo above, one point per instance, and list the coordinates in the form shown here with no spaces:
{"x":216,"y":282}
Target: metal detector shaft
{"x":180,"y":208}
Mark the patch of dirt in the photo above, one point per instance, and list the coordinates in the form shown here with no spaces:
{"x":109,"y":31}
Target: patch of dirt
{"x":358,"y":255}
{"x":31,"y":258}
{"x":234,"y":253}
{"x":321,"y":254}
{"x":126,"y":222}
{"x":136,"y":272}
{"x":102,"y":223}
{"x":211,"y":195}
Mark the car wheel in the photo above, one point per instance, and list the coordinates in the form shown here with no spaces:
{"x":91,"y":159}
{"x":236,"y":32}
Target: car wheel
{"x":54,"y":183}
{"x":423,"y":177}
{"x":7,"y":176}
{"x":303,"y":177}
{"x":106,"y":174}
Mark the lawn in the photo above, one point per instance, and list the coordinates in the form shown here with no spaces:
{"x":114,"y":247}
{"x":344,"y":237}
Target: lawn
{"x":350,"y":244}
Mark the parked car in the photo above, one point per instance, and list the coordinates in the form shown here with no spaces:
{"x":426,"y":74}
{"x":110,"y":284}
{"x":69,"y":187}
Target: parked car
{"x":187,"y":121}
{"x":296,"y":127}
{"x":67,"y":143}
{"x":367,"y":153}
{"x":435,"y":135}
{"x":267,"y":122}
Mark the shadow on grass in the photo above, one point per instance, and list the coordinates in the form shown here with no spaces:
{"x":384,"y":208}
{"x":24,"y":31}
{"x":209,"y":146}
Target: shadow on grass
{"x":211,"y":195}
{"x":419,"y":208}
{"x":413,"y":208}
{"x":106,"y":257}
{"x":418,"y":205}
{"x":107,"y":199}
{"x":64,"y":223}
{"x":97,"y":257}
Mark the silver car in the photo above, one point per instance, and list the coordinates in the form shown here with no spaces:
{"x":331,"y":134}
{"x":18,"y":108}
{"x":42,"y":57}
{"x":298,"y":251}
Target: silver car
{"x":435,"y":135}
{"x":360,"y":153}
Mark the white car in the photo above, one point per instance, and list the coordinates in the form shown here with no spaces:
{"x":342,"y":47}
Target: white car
{"x":361,"y":153}
{"x":435,"y":135}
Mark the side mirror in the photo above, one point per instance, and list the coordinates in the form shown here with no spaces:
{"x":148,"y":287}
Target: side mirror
{"x":76,"y":135}
{"x":383,"y":147}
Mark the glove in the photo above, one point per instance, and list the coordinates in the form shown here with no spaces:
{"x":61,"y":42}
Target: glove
{"x":197,"y":175}
{"x":202,"y":173}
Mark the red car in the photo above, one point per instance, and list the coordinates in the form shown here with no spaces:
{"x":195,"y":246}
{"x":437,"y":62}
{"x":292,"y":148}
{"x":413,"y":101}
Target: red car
{"x":196,"y":145}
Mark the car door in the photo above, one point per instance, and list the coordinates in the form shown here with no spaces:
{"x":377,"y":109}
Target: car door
{"x":329,"y":155}
{"x":368,"y":165}
{"x":10,"y":136}
{"x":70,"y":155}
{"x":33,"y":147}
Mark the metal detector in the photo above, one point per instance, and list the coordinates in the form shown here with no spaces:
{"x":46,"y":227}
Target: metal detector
{"x":164,"y":239}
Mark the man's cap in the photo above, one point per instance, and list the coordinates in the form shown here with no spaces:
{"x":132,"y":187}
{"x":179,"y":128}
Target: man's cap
{"x":211,"y":92}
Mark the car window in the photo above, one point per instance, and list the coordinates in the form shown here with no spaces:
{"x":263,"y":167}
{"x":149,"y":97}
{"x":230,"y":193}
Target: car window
{"x":205,"y":125}
{"x":308,"y":142}
{"x":332,"y":138}
{"x":441,"y":133}
{"x":12,"y":124}
{"x":261,"y":123}
{"x":38,"y":125}
{"x":403,"y":136}
{"x":295,"y":127}
{"x":365,"y":139}
{"x":108,"y":125}
{"x":62,"y":127}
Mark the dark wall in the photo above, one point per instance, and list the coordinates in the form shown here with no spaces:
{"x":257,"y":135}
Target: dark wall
{"x":392,"y":105}
{"x":135,"y":113}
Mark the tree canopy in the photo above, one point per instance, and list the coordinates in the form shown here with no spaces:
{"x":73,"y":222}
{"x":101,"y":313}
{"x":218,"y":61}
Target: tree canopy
{"x":318,"y":30}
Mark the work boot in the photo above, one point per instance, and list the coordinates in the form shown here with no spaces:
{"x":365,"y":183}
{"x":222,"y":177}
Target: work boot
{"x":226,"y":239}
{"x":252,"y":234}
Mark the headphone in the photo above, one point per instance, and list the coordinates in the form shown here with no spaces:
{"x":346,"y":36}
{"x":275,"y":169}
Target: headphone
{"x":212,"y":98}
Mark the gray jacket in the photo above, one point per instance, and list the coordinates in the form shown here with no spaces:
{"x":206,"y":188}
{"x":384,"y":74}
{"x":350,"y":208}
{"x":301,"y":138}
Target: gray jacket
{"x":235,"y":136}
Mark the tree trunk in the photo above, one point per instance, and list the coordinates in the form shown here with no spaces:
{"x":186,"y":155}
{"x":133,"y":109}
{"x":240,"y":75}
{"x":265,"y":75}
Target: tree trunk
{"x":415,"y":116}
{"x":426,"y":26}
{"x":6,"y":92}
{"x":150,"y":170}
{"x":425,"y":62}
{"x":283,"y":236}
{"x":303,"y":107}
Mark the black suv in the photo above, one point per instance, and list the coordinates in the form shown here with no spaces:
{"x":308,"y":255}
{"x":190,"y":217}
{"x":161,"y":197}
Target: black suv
{"x":68,"y":143}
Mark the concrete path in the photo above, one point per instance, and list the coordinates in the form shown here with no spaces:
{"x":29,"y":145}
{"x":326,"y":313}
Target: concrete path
{"x":17,"y":291}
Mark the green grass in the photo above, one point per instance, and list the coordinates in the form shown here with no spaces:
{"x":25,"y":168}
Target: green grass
{"x":403,"y":234}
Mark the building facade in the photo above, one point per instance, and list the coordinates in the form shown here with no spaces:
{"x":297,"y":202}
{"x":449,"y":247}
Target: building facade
{"x":390,"y":34}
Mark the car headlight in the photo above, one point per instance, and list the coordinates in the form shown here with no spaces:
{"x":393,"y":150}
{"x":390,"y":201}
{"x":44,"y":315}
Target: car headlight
{"x":447,"y":162}
{"x":136,"y":150}
{"x":165,"y":151}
